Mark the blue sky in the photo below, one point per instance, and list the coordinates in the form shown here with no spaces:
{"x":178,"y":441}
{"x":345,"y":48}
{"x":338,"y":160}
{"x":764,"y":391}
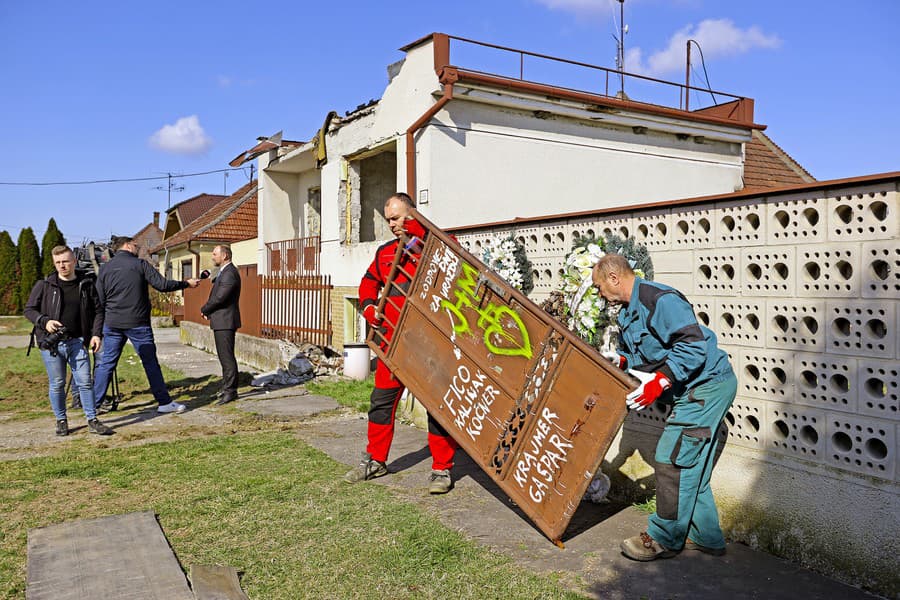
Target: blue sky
{"x":111,"y":90}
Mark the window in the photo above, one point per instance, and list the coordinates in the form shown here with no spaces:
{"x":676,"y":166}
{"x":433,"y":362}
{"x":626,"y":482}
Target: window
{"x":186,"y":269}
{"x":377,"y":181}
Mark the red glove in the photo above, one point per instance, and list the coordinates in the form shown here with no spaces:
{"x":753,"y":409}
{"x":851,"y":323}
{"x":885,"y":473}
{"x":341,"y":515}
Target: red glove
{"x":652,"y":386}
{"x":413,"y":228}
{"x":615,"y":358}
{"x":370,"y":314}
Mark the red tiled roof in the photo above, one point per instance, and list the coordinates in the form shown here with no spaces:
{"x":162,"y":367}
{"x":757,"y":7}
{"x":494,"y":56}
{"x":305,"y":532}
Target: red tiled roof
{"x":230,"y":220}
{"x":190,"y":210}
{"x":766,"y":165}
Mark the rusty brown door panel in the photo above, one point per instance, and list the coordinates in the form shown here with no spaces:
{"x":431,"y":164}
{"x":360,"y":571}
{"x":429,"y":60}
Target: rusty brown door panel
{"x":532,"y":404}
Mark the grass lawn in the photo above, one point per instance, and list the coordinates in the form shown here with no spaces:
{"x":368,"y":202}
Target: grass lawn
{"x":23,"y":383}
{"x":15,"y":326}
{"x":255,"y":498}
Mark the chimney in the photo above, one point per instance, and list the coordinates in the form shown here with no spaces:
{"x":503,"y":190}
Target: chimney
{"x":156,"y":218}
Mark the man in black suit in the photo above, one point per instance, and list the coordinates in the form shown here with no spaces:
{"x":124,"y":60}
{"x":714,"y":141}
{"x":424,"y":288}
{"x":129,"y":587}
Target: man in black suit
{"x":225,"y":318}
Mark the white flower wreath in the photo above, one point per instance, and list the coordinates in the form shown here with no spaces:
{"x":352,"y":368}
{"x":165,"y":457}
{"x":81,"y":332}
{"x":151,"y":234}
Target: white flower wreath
{"x":581,"y":308}
{"x":505,"y":255}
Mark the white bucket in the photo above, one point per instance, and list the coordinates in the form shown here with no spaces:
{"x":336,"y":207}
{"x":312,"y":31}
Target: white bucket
{"x":357,"y":361}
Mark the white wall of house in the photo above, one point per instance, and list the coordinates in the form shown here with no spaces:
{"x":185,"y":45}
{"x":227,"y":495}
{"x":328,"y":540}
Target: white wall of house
{"x":481,"y":164}
{"x":244,"y":253}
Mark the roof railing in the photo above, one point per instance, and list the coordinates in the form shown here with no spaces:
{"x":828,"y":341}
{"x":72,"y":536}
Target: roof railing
{"x":641,"y":88}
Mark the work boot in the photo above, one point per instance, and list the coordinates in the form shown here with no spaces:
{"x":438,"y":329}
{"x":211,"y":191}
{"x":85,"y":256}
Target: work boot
{"x":643,"y":548}
{"x":692,"y":545}
{"x":95,"y":426}
{"x":62,"y":427}
{"x":366,"y":469}
{"x":440,"y":482}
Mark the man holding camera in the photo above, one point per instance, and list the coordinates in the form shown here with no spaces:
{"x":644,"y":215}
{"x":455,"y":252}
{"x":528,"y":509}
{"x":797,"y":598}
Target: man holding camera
{"x":68,"y":321}
{"x":122,"y":288}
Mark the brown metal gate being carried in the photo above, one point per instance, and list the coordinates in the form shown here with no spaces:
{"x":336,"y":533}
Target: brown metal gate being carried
{"x":532,"y":404}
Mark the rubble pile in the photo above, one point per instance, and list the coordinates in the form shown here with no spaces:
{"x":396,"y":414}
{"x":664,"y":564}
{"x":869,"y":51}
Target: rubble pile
{"x":304,"y":362}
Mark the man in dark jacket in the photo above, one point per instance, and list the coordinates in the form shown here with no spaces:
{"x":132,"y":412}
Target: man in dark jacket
{"x":224,"y":316}
{"x":66,"y":313}
{"x":125,"y":298}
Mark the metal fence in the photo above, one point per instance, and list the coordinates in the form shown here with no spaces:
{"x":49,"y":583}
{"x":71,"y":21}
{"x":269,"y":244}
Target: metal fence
{"x":297,"y":309}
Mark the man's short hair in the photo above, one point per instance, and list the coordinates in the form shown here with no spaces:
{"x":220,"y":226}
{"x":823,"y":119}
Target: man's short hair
{"x":225,"y":250}
{"x":120,"y":240}
{"x":57,"y":250}
{"x":611,"y":263}
{"x":403,"y":197}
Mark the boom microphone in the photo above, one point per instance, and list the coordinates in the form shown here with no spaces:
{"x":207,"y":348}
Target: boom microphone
{"x":204,"y":274}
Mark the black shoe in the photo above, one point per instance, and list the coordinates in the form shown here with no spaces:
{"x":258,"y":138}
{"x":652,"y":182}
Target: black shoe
{"x":227,"y":397}
{"x":62,"y":427}
{"x":105,"y":406}
{"x":95,"y":426}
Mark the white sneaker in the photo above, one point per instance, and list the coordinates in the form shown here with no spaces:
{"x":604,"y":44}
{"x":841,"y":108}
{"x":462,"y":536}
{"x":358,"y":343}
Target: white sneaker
{"x":172,"y":407}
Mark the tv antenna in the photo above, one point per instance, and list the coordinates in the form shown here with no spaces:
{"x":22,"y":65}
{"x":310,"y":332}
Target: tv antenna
{"x":620,"y":49}
{"x":170,"y":187}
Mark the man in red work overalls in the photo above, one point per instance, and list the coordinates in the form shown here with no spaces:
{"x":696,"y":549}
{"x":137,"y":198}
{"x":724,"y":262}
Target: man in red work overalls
{"x":388,"y":389}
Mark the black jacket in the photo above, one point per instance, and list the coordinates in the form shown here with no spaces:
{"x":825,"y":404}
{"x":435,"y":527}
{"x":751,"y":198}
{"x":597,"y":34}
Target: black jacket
{"x":45,"y":304}
{"x":222,"y":307}
{"x":122,"y":287}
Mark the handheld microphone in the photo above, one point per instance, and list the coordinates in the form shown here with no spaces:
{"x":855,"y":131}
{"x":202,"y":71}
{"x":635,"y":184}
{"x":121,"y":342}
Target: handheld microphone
{"x":204,"y":274}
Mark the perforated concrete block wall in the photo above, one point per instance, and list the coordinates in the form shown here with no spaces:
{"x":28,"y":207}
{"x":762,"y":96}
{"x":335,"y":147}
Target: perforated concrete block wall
{"x":740,"y":223}
{"x":621,"y":225}
{"x":530,"y":239}
{"x":795,"y":324}
{"x":580,"y":228}
{"x":651,"y":228}
{"x":554,"y":240}
{"x":802,"y":291}
{"x":692,"y":228}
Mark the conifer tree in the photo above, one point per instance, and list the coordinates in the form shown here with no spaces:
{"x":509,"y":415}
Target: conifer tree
{"x":9,"y":276}
{"x":29,"y":263}
{"x":52,"y":238}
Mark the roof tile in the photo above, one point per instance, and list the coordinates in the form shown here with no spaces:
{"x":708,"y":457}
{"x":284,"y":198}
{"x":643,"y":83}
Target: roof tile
{"x":230,"y":220}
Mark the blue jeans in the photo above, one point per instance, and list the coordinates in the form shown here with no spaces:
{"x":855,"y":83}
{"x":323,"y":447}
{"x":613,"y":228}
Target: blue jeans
{"x":142,"y":340}
{"x":73,"y":353}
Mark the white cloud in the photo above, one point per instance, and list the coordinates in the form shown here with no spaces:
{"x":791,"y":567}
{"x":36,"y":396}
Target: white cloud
{"x":224,"y":80}
{"x":186,"y":136}
{"x":717,"y":38}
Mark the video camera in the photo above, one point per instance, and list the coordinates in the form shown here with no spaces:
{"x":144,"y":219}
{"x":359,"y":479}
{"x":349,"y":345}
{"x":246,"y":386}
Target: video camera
{"x":90,"y":256}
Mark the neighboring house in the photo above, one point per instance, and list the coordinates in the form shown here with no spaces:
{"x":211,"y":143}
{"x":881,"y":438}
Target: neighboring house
{"x":185,"y":212}
{"x":474,"y":148}
{"x":149,"y":237}
{"x":229,"y":220}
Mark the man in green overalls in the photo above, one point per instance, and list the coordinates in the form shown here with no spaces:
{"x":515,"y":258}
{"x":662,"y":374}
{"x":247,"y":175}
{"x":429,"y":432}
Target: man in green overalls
{"x":677,"y":359}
